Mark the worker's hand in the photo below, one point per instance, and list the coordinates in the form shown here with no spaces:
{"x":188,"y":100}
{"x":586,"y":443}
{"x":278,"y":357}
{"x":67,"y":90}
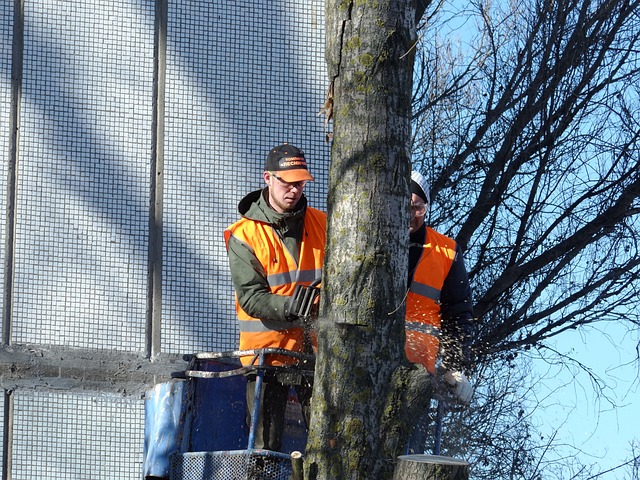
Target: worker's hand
{"x":460,"y":385}
{"x":303,"y":304}
{"x":292,"y":310}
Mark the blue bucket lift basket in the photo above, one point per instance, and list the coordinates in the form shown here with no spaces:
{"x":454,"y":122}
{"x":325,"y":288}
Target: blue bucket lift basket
{"x":195,"y":425}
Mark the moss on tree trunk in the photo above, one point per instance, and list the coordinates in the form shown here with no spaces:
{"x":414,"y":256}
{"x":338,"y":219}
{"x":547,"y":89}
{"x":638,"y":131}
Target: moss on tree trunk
{"x":366,"y":394}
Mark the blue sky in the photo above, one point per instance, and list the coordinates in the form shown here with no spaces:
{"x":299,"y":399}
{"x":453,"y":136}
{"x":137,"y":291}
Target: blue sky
{"x":571,"y":409}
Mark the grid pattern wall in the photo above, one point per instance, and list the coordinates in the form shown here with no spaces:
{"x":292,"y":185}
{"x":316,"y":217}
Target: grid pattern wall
{"x":86,"y":444}
{"x":82,"y":214}
{"x":241,"y":77}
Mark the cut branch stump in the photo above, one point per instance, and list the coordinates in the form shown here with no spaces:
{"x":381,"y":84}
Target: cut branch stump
{"x":430,"y":467}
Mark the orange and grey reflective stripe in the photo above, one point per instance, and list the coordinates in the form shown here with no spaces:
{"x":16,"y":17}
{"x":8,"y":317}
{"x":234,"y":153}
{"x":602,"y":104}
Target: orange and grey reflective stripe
{"x":262,"y":326}
{"x":424,"y":328}
{"x":286,"y":278}
{"x":425,"y":290}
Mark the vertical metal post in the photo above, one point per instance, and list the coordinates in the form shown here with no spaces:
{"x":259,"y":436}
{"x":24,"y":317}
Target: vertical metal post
{"x":437,"y":448}
{"x":12,"y":167}
{"x":7,"y":435}
{"x":14,"y":149}
{"x":256,"y":402}
{"x":156,"y":190}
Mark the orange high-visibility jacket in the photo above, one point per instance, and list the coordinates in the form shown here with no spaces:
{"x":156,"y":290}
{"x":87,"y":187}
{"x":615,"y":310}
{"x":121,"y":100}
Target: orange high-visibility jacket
{"x":423,"y":317}
{"x":283,"y":273}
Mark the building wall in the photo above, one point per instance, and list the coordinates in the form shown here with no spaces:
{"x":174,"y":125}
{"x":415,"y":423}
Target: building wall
{"x":141,"y":124}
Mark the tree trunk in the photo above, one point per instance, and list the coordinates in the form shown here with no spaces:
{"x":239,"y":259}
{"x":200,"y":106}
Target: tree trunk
{"x":430,"y":467}
{"x":365,"y":391}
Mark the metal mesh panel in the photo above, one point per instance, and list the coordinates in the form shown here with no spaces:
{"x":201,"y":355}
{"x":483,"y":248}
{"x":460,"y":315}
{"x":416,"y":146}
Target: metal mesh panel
{"x":235,"y":465}
{"x":73,"y":436}
{"x":241,"y":78}
{"x":82,"y":216}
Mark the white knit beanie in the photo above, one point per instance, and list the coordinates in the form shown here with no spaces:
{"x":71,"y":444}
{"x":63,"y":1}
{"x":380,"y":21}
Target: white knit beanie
{"x":421,"y":182}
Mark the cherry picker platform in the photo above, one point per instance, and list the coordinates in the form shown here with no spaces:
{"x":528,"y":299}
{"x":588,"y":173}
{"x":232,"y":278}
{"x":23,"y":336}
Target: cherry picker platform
{"x":196,"y":424}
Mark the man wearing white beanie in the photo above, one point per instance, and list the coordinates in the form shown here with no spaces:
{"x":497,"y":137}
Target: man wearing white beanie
{"x":439,"y":318}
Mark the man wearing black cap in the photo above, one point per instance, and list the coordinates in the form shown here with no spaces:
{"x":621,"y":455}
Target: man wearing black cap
{"x":278,"y":243}
{"x":439,"y":318}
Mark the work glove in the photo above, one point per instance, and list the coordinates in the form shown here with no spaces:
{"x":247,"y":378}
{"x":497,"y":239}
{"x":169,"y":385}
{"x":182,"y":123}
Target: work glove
{"x":303,"y":303}
{"x":291,"y":310}
{"x":460,"y":385}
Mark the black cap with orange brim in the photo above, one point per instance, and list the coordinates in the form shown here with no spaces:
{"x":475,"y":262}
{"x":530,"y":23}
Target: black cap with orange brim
{"x":288,"y":162}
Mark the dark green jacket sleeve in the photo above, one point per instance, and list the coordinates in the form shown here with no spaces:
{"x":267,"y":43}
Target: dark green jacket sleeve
{"x":457,"y":316}
{"x":250,"y":282}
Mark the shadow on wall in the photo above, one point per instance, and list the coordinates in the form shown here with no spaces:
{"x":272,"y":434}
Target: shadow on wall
{"x":240,"y":78}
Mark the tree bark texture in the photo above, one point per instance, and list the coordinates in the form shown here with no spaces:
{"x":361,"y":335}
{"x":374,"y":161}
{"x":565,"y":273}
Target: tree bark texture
{"x":430,"y":467}
{"x":365,"y":391}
